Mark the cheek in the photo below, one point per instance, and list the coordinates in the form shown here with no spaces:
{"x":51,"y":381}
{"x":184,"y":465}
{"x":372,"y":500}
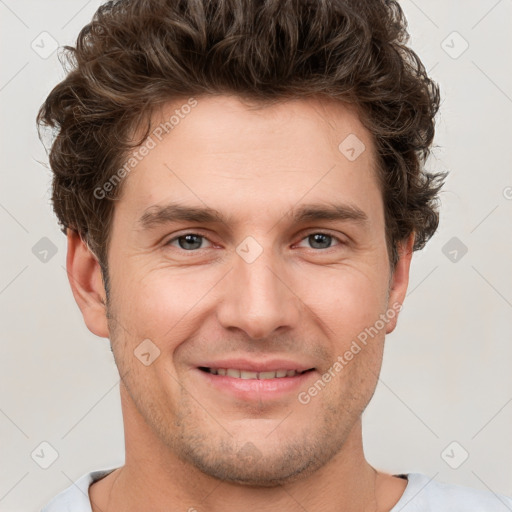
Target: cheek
{"x":161,"y":303}
{"x":350,"y":301}
{"x":352,"y":312}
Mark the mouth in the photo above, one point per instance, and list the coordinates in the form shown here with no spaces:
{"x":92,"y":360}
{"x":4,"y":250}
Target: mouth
{"x":246,"y":374}
{"x":269,"y":384}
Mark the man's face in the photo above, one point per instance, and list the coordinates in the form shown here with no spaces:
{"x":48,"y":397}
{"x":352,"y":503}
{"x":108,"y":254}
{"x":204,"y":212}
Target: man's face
{"x":259,"y":289}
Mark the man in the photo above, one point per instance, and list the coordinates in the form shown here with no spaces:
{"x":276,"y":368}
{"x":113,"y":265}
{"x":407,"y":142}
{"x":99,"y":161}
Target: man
{"x":242,"y":189}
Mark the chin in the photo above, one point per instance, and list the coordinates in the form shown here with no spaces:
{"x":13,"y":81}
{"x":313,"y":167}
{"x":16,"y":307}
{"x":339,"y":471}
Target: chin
{"x":248,"y":466}
{"x":262,"y":473}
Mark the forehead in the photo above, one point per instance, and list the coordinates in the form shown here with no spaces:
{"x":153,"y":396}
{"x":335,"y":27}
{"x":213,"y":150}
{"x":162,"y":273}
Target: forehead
{"x":233,"y":154}
{"x":233,"y":122}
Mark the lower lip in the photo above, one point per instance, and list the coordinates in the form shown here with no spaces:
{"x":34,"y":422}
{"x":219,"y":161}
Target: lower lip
{"x":258,"y":389}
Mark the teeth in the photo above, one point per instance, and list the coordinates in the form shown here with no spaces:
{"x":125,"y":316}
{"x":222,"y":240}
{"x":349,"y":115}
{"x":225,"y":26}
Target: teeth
{"x":248,"y":375}
{"x":269,"y":375}
{"x":243,"y":374}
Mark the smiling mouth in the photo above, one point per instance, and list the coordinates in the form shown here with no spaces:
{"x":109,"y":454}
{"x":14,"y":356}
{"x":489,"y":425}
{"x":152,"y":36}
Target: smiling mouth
{"x":244,"y":374}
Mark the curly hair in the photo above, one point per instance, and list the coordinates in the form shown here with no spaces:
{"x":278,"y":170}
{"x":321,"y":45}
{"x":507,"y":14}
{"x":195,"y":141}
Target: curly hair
{"x":136,"y":55}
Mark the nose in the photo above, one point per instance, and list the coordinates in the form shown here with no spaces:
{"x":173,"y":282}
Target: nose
{"x":258,"y":297}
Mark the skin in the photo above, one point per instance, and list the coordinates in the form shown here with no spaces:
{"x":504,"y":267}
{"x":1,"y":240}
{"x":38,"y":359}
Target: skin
{"x":298,"y":300}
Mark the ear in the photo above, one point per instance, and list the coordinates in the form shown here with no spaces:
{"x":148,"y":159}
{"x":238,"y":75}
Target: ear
{"x":400,"y":279}
{"x":84,"y":274}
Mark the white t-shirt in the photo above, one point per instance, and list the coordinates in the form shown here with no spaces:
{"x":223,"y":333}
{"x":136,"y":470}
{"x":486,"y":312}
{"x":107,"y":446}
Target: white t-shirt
{"x":422,"y":494}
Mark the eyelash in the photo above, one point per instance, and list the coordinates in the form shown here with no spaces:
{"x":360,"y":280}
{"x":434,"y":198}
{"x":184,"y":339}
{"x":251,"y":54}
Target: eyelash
{"x":339,"y":240}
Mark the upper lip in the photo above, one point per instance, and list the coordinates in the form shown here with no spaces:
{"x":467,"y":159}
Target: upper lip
{"x":270,"y":365}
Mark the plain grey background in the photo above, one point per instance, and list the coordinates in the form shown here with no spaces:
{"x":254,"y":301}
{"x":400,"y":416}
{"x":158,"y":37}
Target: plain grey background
{"x":443,"y":405}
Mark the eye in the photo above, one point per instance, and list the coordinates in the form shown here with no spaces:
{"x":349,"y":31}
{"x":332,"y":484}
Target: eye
{"x":193,"y":241}
{"x":321,"y":240}
{"x":188,"y":241}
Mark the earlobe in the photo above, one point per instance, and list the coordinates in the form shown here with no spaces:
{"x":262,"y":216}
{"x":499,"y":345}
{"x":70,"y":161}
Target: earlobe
{"x":400,"y":280}
{"x":84,"y":274}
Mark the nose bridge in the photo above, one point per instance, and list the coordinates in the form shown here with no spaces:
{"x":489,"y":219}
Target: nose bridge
{"x":257,"y":300}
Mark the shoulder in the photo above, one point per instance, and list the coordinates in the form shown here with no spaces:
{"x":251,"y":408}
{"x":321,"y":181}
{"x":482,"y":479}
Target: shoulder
{"x":75,"y":498}
{"x":424,"y":494}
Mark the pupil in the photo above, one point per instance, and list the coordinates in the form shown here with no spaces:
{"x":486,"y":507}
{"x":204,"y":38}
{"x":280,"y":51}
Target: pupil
{"x":189,"y":240}
{"x":318,"y":237}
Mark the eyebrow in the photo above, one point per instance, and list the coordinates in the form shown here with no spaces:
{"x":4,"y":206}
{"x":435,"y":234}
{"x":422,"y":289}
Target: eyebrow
{"x":157,"y":215}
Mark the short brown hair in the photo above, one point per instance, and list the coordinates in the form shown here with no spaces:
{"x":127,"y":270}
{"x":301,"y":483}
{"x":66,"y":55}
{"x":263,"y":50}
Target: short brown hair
{"x":136,"y":55}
